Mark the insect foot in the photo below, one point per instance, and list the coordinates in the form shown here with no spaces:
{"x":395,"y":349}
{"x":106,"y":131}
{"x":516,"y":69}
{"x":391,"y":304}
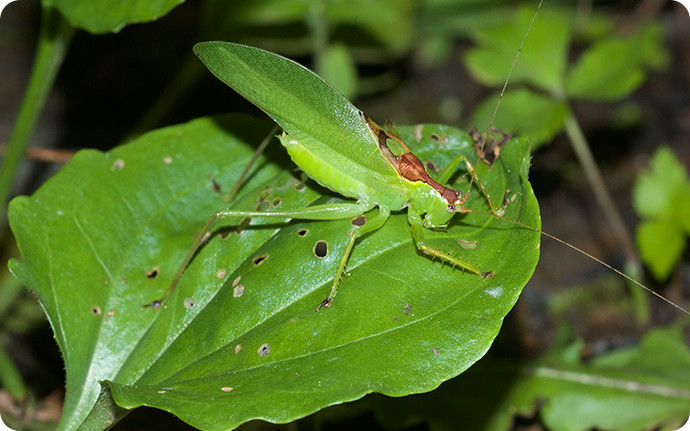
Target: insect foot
{"x":325,"y":303}
{"x":487,"y":275}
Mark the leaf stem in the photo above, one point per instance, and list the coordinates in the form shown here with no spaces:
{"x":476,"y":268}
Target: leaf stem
{"x":603,"y":198}
{"x":54,"y":38}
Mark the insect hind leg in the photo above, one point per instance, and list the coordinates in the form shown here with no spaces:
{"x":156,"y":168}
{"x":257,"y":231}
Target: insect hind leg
{"x":420,"y":242}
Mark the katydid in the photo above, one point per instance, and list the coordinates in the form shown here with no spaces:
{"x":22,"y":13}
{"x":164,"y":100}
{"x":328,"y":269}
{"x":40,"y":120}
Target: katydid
{"x":358,"y":164}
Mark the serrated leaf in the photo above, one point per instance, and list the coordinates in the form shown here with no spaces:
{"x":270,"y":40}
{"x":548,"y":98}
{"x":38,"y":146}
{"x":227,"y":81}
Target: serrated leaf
{"x":613,"y":68}
{"x":105,"y":16}
{"x":523,"y":113}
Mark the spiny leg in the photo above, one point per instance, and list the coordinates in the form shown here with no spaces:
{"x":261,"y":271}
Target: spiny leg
{"x":444,"y":176}
{"x":336,"y":211}
{"x":418,"y":235}
{"x":370,"y":226}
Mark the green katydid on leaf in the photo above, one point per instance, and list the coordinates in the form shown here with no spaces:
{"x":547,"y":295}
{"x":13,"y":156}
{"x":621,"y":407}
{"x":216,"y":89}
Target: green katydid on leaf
{"x":238,"y":338}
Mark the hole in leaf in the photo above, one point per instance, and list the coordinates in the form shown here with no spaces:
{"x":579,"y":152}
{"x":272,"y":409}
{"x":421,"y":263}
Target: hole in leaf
{"x":321,"y":249}
{"x":359,"y":220}
{"x":303,"y":232}
{"x":263,"y":206}
{"x":153,"y":273}
{"x":258,"y":260}
{"x":264,"y":350}
{"x":189,"y":303}
{"x":300,"y":187}
{"x":276,"y":202}
{"x":438,"y":139}
{"x":96,"y":310}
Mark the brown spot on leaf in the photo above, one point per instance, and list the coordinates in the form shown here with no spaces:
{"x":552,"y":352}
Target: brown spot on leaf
{"x":264,"y":350}
{"x":118,"y":165}
{"x":96,"y":310}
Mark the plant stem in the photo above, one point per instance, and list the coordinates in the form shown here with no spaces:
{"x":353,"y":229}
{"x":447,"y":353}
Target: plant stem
{"x":316,"y":20}
{"x":54,"y":37}
{"x":615,"y":221}
{"x":10,"y":378}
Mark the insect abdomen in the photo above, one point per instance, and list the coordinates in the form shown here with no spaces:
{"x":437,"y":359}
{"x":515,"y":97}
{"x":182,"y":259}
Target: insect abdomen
{"x":340,"y":174}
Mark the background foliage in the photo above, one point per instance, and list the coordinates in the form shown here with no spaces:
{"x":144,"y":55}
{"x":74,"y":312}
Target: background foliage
{"x":405,"y":61}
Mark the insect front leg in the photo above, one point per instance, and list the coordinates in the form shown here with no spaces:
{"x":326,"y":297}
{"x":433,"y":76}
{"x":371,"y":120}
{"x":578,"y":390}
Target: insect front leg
{"x":446,"y":173}
{"x":418,"y":233}
{"x":370,"y":226}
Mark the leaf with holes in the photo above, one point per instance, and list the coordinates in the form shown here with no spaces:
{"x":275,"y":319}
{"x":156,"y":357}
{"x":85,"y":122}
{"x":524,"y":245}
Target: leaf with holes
{"x":402,"y":323}
{"x":107,"y":233}
{"x":239,"y":338}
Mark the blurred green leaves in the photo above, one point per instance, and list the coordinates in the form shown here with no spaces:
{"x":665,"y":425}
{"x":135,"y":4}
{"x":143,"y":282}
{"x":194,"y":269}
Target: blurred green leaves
{"x":609,"y":68}
{"x":662,"y":198}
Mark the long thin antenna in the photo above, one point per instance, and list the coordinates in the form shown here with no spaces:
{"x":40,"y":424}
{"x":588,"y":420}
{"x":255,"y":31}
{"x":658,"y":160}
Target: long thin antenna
{"x":512,"y":67}
{"x":596,"y":259}
{"x":505,"y":85}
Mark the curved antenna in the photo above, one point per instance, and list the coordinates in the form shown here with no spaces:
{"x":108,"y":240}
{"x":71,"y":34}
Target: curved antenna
{"x":503,"y":90}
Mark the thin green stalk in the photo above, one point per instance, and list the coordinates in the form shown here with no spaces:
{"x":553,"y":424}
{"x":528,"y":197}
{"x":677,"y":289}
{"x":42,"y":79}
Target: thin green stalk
{"x":319,"y":33}
{"x":601,"y":194}
{"x":10,"y":378}
{"x":54,"y":38}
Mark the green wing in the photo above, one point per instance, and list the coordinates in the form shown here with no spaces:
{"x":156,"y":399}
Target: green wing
{"x":307,"y":107}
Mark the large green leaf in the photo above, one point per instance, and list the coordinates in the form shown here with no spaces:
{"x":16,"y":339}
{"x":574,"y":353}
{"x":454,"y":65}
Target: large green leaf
{"x":239,"y":339}
{"x":90,"y":236}
{"x":108,"y":16}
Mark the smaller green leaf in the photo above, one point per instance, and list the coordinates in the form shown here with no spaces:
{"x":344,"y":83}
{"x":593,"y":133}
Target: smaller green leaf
{"x":338,"y":68}
{"x":543,"y":59}
{"x":523,"y":113}
{"x":661,"y":245}
{"x":659,"y":190}
{"x":614,"y":67}
{"x":104,"y":16}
